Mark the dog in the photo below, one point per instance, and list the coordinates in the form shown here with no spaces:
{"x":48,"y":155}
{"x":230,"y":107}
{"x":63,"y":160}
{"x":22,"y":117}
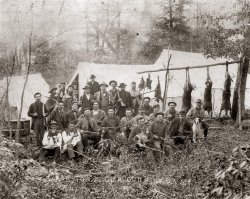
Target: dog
{"x":198,"y":131}
{"x":142,"y":138}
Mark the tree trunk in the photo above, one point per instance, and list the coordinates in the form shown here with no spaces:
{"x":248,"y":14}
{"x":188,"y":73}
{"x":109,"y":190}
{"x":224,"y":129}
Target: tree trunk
{"x":240,"y":81}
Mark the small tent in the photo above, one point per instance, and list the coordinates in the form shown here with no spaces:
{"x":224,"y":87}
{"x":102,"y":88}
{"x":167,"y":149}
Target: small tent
{"x":129,"y":73}
{"x":36,"y":83}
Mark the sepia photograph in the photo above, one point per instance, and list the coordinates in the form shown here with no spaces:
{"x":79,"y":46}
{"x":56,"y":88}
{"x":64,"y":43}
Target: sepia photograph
{"x":124,"y":99}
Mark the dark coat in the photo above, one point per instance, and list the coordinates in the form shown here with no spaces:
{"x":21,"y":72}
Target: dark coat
{"x":126,"y":98}
{"x":70,"y":116}
{"x":94,"y":87}
{"x":86,"y":103}
{"x":60,"y":119}
{"x":50,"y":103}
{"x":38,"y":108}
{"x":175,"y":125}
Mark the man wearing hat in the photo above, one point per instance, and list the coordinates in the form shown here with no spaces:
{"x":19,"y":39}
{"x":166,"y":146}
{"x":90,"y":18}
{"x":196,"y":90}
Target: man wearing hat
{"x":73,"y":114}
{"x":102,"y":97}
{"x":198,"y":112}
{"x":156,"y":108}
{"x":93,"y":85}
{"x":52,"y":142}
{"x":136,"y":98}
{"x":52,"y":100}
{"x":58,"y":115}
{"x":180,"y":129}
{"x":86,"y":100}
{"x":158,"y":132}
{"x":98,"y":114}
{"x":148,"y":109}
{"x":171,"y":113}
{"x":113,"y":93}
{"x":38,"y":112}
{"x":68,"y":99}
{"x":124,"y":101}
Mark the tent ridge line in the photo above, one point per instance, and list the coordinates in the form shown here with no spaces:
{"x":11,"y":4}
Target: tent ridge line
{"x":188,"y":67}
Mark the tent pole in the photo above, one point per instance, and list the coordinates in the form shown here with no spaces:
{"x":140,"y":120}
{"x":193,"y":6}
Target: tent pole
{"x":239,"y":99}
{"x":166,"y":84}
{"x":193,"y":67}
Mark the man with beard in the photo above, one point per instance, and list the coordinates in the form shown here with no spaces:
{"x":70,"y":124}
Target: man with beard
{"x":171,"y":113}
{"x":148,"y":109}
{"x":93,"y":85}
{"x":38,"y":112}
{"x":52,"y":100}
{"x":86,"y":101}
{"x":102,"y":97}
{"x":52,"y":142}
{"x":136,"y":98}
{"x":58,"y":115}
{"x":124,"y":101}
{"x":113,"y":93}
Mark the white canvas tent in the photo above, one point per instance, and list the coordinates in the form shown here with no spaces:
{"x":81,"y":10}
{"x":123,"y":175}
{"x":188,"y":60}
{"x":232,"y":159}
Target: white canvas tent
{"x":128,"y":73}
{"x":36,"y":83}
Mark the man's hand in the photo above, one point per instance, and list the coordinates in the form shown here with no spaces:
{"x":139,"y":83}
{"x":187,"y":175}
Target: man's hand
{"x":35,"y":114}
{"x":81,"y":116}
{"x":44,"y":114}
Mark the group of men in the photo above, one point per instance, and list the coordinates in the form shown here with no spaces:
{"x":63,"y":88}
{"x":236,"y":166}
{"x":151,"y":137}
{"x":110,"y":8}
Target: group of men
{"x":101,"y":114}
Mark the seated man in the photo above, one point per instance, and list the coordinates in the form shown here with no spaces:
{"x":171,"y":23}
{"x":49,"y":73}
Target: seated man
{"x":171,"y":113}
{"x":139,"y":134}
{"x":88,"y":128}
{"x":158,"y":133}
{"x":98,"y":114}
{"x":180,"y":129}
{"x":198,"y":112}
{"x":128,"y":122}
{"x":148,"y":109}
{"x":110,"y":125}
{"x":72,"y":141}
{"x":156,"y":109}
{"x":141,"y":114}
{"x":73,"y":114}
{"x":52,"y":142}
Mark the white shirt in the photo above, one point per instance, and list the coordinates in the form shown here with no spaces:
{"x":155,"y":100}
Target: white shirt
{"x":52,"y":142}
{"x":66,"y":137}
{"x":88,"y":96}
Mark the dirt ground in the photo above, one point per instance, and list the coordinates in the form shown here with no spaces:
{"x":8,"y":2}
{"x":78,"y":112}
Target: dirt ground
{"x":189,"y":173}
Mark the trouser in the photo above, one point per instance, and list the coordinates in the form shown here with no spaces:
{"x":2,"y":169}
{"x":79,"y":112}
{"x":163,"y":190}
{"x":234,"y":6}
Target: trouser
{"x":55,"y":152}
{"x":39,"y":129}
{"x":71,"y":150}
{"x":205,"y":128}
{"x":159,"y":145}
{"x":95,"y":137}
{"x":121,"y":112}
{"x":179,"y":140}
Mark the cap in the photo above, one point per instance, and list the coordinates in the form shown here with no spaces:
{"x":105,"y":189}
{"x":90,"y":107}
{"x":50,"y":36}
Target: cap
{"x":172,"y":102}
{"x":182,"y":112}
{"x":92,"y":76}
{"x":160,"y":113}
{"x":156,"y":105}
{"x":146,"y":98}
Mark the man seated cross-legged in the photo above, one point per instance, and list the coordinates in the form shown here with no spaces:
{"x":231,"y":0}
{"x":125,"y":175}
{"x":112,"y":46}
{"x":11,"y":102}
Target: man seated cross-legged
{"x":72,"y":142}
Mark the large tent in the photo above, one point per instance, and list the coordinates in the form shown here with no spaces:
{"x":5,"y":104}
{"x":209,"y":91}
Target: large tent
{"x":128,"y":73}
{"x":36,"y":83}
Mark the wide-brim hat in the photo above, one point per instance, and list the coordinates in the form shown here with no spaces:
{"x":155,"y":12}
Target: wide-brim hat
{"x":146,"y":98}
{"x":52,"y":89}
{"x":53,"y":122}
{"x":160,"y":113}
{"x":172,"y":102}
{"x":86,"y":87}
{"x":182,"y":112}
{"x":156,"y":105}
{"x":198,"y":101}
{"x":122,"y":85}
{"x":104,"y":84}
{"x":133,"y":83}
{"x":92,"y":76}
{"x":113,"y":81}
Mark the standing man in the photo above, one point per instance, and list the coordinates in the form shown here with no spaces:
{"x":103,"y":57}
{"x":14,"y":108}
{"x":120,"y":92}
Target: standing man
{"x":148,"y":109}
{"x":93,"y":85}
{"x":171,"y":113}
{"x":102,"y":97}
{"x":73,"y":114}
{"x":87,"y":100}
{"x":198,"y":112}
{"x":38,"y":112}
{"x":58,"y":115}
{"x":98,"y":114}
{"x":128,"y":122}
{"x":113,"y":93}
{"x":180,"y":129}
{"x":136,"y":98}
{"x":124,"y":101}
{"x":52,"y":100}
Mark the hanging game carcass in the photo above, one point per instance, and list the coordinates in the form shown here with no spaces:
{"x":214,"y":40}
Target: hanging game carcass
{"x":226,"y":94}
{"x":187,"y":97}
{"x":207,"y":106}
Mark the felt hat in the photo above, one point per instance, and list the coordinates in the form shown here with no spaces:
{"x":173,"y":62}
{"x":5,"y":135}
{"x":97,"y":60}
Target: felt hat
{"x":92,"y":76}
{"x":182,"y":112}
{"x":113,"y":81}
{"x":146,"y":98}
{"x":160,"y":113}
{"x":133,"y":83}
{"x":172,"y":102}
{"x":156,"y":105}
{"x":198,"y":101}
{"x":86,"y":87}
{"x":122,"y":85}
{"x":141,"y":108}
{"x":104,"y":84}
